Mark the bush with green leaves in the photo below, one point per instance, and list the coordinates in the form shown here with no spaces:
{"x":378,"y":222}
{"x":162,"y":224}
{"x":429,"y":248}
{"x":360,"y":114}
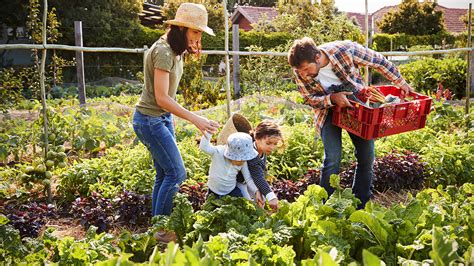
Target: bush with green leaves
{"x":277,"y":73}
{"x":83,"y":131}
{"x":122,"y":169}
{"x":445,"y":144}
{"x":97,"y":91}
{"x":425,"y":75}
{"x":196,"y":92}
{"x":383,"y":42}
{"x":126,"y":168}
{"x":10,"y":88}
{"x":450,"y":159}
{"x":300,"y":152}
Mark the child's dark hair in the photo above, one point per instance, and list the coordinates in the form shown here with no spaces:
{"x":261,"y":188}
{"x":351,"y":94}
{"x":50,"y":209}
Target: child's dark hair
{"x":266,"y":128}
{"x":177,"y":39}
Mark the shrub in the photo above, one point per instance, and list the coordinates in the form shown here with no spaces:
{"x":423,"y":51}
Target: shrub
{"x":277,"y":76}
{"x":198,"y":93}
{"x":401,"y":41}
{"x":425,"y":75}
{"x":97,"y":91}
{"x":127,"y":169}
{"x":128,"y":208}
{"x":29,"y":218}
{"x":450,"y":159}
{"x":300,"y":152}
{"x":10,"y":88}
{"x":394,"y":171}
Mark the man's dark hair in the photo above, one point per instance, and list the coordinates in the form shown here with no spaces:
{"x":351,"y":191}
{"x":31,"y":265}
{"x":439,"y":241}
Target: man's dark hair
{"x":177,"y":39}
{"x":302,"y":50}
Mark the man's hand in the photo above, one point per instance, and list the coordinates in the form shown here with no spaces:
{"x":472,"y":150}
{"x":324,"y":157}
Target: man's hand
{"x":259,"y":199}
{"x":406,"y":89}
{"x":340,"y":99}
{"x":273,"y":204}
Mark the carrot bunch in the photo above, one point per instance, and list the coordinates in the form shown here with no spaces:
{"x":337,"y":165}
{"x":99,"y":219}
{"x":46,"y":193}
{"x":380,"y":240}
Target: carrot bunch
{"x":371,"y":95}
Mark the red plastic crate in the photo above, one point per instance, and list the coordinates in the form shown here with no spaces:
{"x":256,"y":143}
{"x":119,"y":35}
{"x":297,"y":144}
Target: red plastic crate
{"x":370,"y":123}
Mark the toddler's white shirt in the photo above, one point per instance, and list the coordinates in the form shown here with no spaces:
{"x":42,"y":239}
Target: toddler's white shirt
{"x":222,"y":173}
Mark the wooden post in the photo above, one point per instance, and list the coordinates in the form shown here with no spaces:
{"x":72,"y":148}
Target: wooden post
{"x":472,"y":51}
{"x":227,"y":64}
{"x":469,"y":58}
{"x":369,"y":44}
{"x":366,"y":77}
{"x":80,"y":64}
{"x":235,"y":60}
{"x":145,"y":48}
{"x":43,"y":92}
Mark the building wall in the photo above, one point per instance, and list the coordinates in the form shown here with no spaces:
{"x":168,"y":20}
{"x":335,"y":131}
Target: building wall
{"x":244,"y":24}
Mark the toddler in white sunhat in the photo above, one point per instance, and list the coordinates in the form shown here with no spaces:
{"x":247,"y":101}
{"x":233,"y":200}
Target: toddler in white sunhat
{"x":227,"y":160}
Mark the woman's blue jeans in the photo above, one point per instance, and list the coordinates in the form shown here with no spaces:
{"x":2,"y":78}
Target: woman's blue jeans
{"x":157,"y":134}
{"x":364,"y":152}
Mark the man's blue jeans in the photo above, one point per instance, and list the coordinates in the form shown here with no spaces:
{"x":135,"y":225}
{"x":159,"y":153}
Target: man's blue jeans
{"x":364,"y":152}
{"x":157,"y":134}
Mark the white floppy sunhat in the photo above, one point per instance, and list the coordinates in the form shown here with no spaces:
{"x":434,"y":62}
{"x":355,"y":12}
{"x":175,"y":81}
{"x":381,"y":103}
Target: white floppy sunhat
{"x":193,"y":16}
{"x":240,"y":147}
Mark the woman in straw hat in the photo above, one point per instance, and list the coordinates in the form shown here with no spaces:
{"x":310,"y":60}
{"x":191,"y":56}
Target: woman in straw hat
{"x":153,"y":120}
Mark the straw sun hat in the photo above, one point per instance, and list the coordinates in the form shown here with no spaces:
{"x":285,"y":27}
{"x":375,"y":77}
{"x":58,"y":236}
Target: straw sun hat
{"x":236,"y":123}
{"x":193,"y":16}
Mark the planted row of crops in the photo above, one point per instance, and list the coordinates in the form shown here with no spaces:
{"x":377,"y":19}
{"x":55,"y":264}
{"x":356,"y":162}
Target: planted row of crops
{"x":435,"y":227}
{"x":101,"y":178}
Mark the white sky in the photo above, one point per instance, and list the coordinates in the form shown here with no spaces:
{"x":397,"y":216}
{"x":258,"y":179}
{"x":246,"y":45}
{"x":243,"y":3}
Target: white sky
{"x":374,"y":5}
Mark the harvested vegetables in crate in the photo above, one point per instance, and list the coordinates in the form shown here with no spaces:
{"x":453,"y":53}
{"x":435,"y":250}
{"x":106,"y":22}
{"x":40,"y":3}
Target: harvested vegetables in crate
{"x":380,"y":111}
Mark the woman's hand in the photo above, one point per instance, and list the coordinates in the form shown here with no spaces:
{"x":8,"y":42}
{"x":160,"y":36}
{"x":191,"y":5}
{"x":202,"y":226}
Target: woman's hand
{"x":273,"y":204}
{"x":205,"y":125}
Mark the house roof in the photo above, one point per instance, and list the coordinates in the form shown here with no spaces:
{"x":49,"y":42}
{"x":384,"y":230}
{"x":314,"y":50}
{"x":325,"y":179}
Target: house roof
{"x":254,"y":13}
{"x":359,"y":18}
{"x":452,"y":17}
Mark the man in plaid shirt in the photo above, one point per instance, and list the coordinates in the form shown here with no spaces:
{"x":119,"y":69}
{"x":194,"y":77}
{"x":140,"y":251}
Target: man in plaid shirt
{"x":316,"y":69}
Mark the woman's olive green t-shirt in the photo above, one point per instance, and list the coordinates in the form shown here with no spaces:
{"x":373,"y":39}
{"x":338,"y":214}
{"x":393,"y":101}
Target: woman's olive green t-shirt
{"x":160,"y":56}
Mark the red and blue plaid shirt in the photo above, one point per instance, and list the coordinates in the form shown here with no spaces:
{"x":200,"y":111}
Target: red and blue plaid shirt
{"x":346,"y":58}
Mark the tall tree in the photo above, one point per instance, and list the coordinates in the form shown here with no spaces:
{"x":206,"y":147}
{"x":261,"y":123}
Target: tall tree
{"x":104,"y":22}
{"x":414,"y":18}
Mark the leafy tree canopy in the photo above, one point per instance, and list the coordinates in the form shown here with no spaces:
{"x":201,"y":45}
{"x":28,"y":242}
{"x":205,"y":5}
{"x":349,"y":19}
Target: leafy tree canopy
{"x":321,"y":21}
{"x":104,"y":22}
{"x":414,"y":18}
